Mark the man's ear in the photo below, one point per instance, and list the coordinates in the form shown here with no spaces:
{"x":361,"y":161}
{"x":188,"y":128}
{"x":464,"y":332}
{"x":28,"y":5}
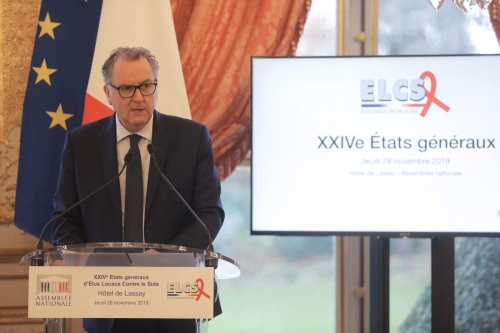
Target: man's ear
{"x":107,"y":91}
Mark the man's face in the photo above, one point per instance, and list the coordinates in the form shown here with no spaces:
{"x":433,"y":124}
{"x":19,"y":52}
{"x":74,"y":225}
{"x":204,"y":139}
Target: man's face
{"x":134,"y":112}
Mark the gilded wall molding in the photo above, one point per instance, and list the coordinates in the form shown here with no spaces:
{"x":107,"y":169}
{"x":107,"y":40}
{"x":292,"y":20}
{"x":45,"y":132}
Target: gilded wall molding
{"x":341,"y":22}
{"x":12,"y":256}
{"x":17,"y":315}
{"x":374,"y":27}
{"x":19,"y":21}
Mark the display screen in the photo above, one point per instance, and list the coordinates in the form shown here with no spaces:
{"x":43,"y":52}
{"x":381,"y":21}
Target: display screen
{"x":404,"y":146}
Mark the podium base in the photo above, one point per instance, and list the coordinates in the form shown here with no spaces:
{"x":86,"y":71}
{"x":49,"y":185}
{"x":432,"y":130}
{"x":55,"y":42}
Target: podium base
{"x":201,"y":326}
{"x":55,"y":325}
{"x":59,"y":325}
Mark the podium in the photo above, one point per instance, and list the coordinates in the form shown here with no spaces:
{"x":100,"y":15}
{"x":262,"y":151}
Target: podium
{"x":123,"y":280}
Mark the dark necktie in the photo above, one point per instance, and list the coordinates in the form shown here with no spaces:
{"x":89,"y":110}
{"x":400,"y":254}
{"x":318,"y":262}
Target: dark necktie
{"x":133,"y":194}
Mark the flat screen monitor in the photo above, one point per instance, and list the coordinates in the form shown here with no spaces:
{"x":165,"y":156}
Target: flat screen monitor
{"x":392,"y":145}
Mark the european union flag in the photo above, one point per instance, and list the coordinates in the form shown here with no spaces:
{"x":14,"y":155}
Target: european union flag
{"x":54,"y":102}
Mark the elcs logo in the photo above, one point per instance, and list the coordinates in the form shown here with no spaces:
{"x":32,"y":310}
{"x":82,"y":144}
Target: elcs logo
{"x":193,"y":289}
{"x":400,"y":90}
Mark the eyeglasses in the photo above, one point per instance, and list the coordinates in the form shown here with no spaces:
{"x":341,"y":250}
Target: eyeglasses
{"x":146,"y":89}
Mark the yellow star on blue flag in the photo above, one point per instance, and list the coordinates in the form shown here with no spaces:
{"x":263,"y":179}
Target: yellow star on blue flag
{"x":44,"y":72}
{"x":59,"y":117}
{"x":48,"y":27}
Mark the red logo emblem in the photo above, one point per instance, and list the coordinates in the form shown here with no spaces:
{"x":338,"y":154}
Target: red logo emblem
{"x":431,"y":95}
{"x":201,"y":286}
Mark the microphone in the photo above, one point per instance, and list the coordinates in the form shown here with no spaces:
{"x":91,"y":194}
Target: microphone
{"x":209,"y":262}
{"x":37,"y":261}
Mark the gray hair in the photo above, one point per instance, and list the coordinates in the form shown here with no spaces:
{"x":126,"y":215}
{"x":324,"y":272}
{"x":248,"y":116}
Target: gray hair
{"x":128,"y":53}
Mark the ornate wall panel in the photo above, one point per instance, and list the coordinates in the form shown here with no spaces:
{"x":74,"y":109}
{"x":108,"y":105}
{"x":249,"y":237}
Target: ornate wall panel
{"x":18,"y":24}
{"x":19,"y":20}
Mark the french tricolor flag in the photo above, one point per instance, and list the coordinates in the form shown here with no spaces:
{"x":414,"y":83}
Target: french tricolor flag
{"x":65,"y":85}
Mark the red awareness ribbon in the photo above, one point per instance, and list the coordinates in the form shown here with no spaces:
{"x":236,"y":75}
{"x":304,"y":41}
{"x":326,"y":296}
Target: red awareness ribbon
{"x":201,"y":286}
{"x":430,"y":95}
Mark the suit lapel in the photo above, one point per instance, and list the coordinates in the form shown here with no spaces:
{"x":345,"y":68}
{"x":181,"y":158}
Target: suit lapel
{"x":160,"y":141}
{"x":107,"y":148}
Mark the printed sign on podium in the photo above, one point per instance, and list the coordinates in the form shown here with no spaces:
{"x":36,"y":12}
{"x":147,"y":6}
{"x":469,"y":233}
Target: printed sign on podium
{"x":120,"y":292}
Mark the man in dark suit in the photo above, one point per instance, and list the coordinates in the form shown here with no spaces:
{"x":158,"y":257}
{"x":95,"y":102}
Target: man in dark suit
{"x":94,"y":153}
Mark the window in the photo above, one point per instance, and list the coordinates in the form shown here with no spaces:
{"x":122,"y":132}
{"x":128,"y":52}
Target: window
{"x":287,"y":283}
